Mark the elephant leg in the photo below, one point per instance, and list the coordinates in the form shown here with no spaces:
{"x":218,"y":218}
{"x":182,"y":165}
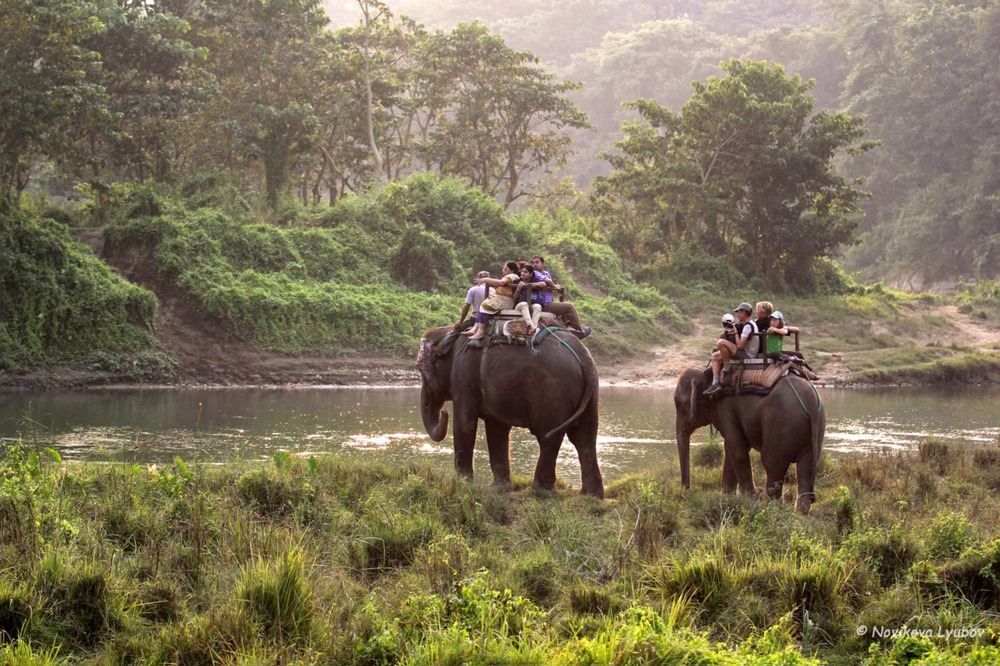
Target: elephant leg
{"x":545,"y":469}
{"x":728,"y":475}
{"x":775,"y":479}
{"x":584,"y":438}
{"x":498,"y":443}
{"x":805,"y":473}
{"x":737,"y":454}
{"x":465,"y":441}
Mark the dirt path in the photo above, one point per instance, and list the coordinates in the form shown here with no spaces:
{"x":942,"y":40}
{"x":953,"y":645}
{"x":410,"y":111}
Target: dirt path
{"x":661,"y":365}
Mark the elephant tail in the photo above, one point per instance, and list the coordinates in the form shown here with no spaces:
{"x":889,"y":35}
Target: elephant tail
{"x":590,"y":378}
{"x":817,"y":422}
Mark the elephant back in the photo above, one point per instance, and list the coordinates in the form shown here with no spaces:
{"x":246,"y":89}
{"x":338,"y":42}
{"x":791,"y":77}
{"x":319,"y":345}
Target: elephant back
{"x":549,"y":390}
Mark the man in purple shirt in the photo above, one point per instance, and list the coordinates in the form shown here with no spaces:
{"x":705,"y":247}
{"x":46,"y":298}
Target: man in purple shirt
{"x":565,"y":310}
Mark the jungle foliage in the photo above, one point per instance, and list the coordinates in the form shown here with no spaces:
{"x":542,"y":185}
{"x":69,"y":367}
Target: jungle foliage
{"x":327,"y":560}
{"x":921,"y":72}
{"x":58,"y":302}
{"x":104,"y":92}
{"x":745,"y":169}
{"x":370,"y":273}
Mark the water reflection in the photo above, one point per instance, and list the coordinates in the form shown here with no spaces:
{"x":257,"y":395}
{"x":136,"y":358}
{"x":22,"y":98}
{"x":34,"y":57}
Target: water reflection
{"x":636,"y":432}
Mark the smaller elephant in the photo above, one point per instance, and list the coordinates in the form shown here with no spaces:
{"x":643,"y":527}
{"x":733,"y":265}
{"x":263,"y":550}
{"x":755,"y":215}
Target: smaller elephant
{"x":786,"y":426}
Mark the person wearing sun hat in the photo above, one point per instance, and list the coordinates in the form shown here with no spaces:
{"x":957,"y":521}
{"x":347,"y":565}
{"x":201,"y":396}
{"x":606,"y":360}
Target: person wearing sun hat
{"x":747,"y":345}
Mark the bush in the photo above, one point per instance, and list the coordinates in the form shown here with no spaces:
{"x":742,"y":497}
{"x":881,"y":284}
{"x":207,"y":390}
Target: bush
{"x":844,"y":511}
{"x":272,"y":494}
{"x":15,"y":611}
{"x":59,"y":303}
{"x":538,"y":576}
{"x":888,"y":553}
{"x":950,"y":535}
{"x":276,"y":597}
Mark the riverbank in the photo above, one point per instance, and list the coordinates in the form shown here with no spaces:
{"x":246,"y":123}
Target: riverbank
{"x":322,"y":560}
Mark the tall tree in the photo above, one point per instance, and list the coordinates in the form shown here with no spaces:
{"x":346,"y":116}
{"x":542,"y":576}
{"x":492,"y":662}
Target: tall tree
{"x":50,"y":91}
{"x":505,"y":115}
{"x":153,"y":78}
{"x":265,"y":55}
{"x":745,"y":161}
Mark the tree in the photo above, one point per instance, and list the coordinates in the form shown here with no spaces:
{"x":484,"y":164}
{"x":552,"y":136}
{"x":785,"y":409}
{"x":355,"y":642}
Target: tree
{"x":152,"y":77}
{"x":50,"y":91}
{"x":933,"y":101}
{"x":265,"y":55}
{"x":503,"y":114}
{"x":746,"y":162}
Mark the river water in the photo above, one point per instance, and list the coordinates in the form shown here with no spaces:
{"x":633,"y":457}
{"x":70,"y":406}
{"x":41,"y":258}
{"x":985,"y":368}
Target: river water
{"x":636,"y":429}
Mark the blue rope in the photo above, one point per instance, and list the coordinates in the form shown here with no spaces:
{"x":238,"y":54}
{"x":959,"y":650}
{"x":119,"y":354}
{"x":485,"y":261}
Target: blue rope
{"x":552,"y":333}
{"x":800,"y":399}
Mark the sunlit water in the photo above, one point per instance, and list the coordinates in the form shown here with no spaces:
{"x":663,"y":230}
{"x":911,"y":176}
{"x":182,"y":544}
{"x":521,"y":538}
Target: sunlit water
{"x":636,"y":429}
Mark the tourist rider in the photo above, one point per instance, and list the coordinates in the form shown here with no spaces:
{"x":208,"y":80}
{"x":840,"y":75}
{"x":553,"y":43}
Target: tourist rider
{"x":746,"y":346}
{"x":473,"y":299}
{"x":565,"y":310}
{"x":763,"y":310}
{"x":530,"y":312}
{"x":502,"y":298}
{"x":776,"y":332}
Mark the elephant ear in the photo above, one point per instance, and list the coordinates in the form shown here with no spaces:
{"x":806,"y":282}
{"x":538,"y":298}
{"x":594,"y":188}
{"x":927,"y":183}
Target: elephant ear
{"x":426,"y":357}
{"x":698,"y":384}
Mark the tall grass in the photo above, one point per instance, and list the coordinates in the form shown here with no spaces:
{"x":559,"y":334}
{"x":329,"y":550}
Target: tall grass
{"x":353,"y":563}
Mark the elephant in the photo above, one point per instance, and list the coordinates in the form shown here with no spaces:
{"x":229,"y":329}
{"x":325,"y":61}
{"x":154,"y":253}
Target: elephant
{"x":553,"y":393}
{"x":786,"y":426}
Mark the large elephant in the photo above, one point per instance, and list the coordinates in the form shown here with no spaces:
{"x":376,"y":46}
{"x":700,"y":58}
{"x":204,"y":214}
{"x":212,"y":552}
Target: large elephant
{"x":786,"y":426}
{"x":552,"y":393}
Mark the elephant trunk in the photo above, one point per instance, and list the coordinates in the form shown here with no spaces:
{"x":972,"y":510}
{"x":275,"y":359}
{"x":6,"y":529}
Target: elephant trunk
{"x":435,"y":421}
{"x":684,"y":451}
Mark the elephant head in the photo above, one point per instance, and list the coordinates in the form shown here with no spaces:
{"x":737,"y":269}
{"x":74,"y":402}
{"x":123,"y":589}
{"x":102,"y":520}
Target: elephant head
{"x":435,"y":389}
{"x":694,"y":411}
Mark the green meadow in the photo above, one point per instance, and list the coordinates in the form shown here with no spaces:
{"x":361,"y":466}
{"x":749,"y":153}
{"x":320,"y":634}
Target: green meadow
{"x":322,"y":561}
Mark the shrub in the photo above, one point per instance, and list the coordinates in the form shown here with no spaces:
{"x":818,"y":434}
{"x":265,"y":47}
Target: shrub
{"x":272,"y":494}
{"x":986,"y":458}
{"x":538,"y":575}
{"x":276,"y":597}
{"x":61,"y":303}
{"x":82,"y":603}
{"x":950,"y":534}
{"x":706,"y":579}
{"x":844,"y":510}
{"x":589,"y":600}
{"x":160,"y":601}
{"x":15,"y":611}
{"x":888,"y":553}
{"x":390,"y":541}
{"x":934,"y":451}
{"x":975,"y":577}
{"x":708,"y":454}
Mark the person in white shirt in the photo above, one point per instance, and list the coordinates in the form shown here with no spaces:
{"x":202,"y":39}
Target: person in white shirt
{"x":747,"y":345}
{"x":477,"y":294}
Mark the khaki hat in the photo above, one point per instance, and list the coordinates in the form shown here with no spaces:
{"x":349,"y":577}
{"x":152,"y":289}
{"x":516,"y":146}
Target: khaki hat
{"x":482,"y":274}
{"x":746,"y":307}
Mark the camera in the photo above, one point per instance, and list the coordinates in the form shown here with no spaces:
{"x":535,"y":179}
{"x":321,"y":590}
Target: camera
{"x":727,"y":325}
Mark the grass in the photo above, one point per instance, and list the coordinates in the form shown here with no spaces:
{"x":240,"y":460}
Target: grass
{"x":336,"y":562}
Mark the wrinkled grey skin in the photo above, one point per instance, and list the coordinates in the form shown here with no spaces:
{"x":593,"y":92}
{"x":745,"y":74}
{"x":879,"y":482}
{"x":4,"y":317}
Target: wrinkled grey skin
{"x":550,"y":393}
{"x":775,"y":424}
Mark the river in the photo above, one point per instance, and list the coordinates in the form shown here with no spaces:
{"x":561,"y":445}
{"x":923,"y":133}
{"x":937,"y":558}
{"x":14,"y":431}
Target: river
{"x":636,"y":430}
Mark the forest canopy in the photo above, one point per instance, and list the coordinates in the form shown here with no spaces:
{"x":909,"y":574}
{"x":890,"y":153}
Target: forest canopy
{"x":540,"y":105}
